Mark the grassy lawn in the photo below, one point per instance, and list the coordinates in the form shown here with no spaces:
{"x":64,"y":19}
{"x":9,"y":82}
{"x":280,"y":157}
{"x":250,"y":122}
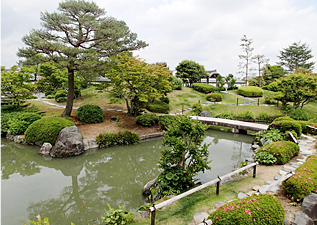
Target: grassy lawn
{"x":183,"y":210}
{"x":311,"y":109}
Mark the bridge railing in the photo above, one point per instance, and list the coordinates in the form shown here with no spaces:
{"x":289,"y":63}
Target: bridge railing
{"x":187,"y":193}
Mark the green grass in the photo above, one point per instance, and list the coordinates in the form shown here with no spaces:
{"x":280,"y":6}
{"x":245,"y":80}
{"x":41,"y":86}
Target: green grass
{"x":182,"y":211}
{"x":311,"y":109}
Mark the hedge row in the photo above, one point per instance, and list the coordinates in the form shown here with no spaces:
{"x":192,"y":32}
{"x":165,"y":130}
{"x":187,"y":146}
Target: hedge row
{"x":304,"y":181}
{"x":204,"y":88}
{"x":250,"y":91}
{"x":283,"y":151}
{"x":124,"y":137}
{"x":261,"y":209}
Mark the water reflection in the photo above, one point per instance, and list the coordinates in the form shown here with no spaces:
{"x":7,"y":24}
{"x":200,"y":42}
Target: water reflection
{"x":78,"y":189}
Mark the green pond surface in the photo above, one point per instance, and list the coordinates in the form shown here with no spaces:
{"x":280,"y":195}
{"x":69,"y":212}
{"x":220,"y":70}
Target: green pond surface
{"x":78,"y":189}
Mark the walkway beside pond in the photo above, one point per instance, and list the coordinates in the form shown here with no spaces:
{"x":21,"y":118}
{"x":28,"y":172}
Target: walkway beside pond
{"x":240,"y":125}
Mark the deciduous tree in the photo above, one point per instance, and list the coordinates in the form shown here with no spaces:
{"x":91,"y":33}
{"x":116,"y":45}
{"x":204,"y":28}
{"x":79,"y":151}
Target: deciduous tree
{"x":260,"y":60}
{"x":246,"y":57}
{"x":77,"y":37}
{"x":190,"y":72}
{"x":137,"y":82}
{"x":271,"y":73}
{"x":296,"y":56}
{"x":16,"y":84}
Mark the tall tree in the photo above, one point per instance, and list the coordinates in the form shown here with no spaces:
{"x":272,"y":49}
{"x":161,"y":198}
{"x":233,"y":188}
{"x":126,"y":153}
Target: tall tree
{"x":16,"y":84}
{"x":260,"y":60}
{"x":137,"y":82}
{"x":230,"y":81}
{"x":296,"y":56}
{"x":246,"y":57}
{"x":190,"y":72}
{"x":271,"y":73}
{"x":79,"y":36}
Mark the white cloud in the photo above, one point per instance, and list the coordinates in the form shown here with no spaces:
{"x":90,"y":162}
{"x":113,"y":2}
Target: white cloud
{"x":206,"y":31}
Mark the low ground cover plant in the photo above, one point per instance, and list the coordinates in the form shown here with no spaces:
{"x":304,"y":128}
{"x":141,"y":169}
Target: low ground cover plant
{"x":261,"y":209}
{"x":124,"y":137}
{"x":272,"y":134}
{"x":90,"y":114}
{"x":214,"y":97}
{"x":204,"y":88}
{"x":158,"y":107}
{"x":147,"y":119}
{"x":46,"y":130}
{"x":283,"y":151}
{"x":286,"y":125}
{"x":304,"y":181}
{"x":61,"y":96}
{"x":250,"y":91}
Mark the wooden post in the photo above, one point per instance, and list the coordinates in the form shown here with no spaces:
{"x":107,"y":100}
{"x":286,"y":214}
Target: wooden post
{"x":182,"y":109}
{"x":237,"y":101}
{"x":218,"y":186}
{"x":258,"y":101}
{"x":254,"y":171}
{"x":153,"y":217}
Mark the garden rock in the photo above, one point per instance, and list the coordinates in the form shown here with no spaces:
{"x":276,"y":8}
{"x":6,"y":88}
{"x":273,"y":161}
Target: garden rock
{"x":147,"y":187}
{"x":45,"y":149}
{"x":255,"y":147}
{"x":90,"y":143}
{"x":200,"y":217}
{"x":205,"y":114}
{"x":241,"y":195}
{"x":302,"y":219}
{"x":309,"y":206}
{"x":68,"y":143}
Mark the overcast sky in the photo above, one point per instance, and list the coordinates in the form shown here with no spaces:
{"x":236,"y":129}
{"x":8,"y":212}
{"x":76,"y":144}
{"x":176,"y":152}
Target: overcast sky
{"x":205,"y":31}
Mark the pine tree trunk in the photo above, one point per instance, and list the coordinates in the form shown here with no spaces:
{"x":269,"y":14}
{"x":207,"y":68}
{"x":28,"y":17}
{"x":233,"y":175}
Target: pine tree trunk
{"x":70,"y":98}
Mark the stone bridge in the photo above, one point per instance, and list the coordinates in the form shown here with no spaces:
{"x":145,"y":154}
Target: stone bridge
{"x":239,"y":126}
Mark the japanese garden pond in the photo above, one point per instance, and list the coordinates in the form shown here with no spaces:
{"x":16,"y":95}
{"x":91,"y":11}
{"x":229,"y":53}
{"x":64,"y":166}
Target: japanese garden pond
{"x":78,"y":189}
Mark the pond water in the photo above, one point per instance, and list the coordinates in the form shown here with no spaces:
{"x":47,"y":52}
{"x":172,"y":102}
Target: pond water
{"x":78,"y":189}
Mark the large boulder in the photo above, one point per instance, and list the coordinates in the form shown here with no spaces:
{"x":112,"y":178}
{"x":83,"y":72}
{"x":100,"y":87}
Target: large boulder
{"x":302,"y":219}
{"x":309,"y":206}
{"x":68,"y":143}
{"x":205,"y":114}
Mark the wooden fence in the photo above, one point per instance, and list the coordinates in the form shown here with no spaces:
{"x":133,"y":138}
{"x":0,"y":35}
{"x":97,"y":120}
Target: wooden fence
{"x":218,"y":180}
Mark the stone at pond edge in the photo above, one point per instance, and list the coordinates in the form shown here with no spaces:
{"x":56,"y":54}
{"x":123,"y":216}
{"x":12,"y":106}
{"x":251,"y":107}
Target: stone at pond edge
{"x":147,"y":187}
{"x":241,"y":195}
{"x":16,"y":138}
{"x":90,"y":143}
{"x":45,"y":149}
{"x":68,"y":143}
{"x":309,"y":206}
{"x":302,"y":219}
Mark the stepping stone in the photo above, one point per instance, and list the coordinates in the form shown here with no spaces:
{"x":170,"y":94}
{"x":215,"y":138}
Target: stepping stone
{"x":269,"y":182}
{"x":282,"y":172}
{"x":307,"y":152}
{"x":288,"y":168}
{"x":274,"y":189}
{"x":256,"y":188}
{"x":277,"y":177}
{"x":251,"y":193}
{"x":241,"y":195}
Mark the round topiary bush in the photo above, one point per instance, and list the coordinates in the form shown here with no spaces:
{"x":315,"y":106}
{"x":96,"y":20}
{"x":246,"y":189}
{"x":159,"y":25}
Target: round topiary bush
{"x":46,"y":130}
{"x":147,"y":119}
{"x":60,"y":94}
{"x":261,"y":209}
{"x":250,"y":91}
{"x":214,"y":97}
{"x":158,"y":107}
{"x":90,"y":114}
{"x":286,"y":125}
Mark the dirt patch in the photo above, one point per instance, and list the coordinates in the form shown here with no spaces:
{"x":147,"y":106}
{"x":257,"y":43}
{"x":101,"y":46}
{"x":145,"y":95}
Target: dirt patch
{"x":108,"y":125}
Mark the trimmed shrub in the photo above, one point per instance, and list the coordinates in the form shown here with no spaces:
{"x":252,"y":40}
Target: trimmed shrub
{"x":18,"y":127}
{"x":196,"y":109}
{"x":61,"y":93}
{"x":165,"y":99}
{"x":158,"y":107}
{"x":273,"y":134}
{"x":166,"y":121}
{"x":245,"y":115}
{"x":90,"y":114}
{"x":46,"y":130}
{"x":214,"y":97}
{"x":299,"y":114}
{"x":283,"y":118}
{"x":287,"y":136}
{"x":124,"y":137}
{"x":261,"y":209}
{"x":265,"y":158}
{"x":264,"y":116}
{"x":271,"y":87}
{"x":61,"y":99}
{"x":29,"y":117}
{"x":304,"y":181}
{"x":204,"y":88}
{"x":286,"y":125}
{"x":307,"y":130}
{"x":250,"y":91}
{"x":147,"y":119}
{"x":283,"y":151}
